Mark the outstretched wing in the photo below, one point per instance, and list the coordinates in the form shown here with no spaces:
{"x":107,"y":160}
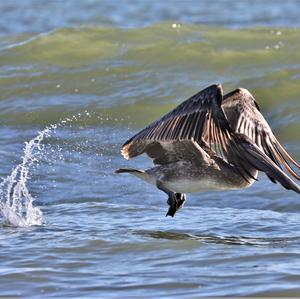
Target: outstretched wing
{"x":231,"y":128}
{"x":199,"y":116}
{"x":244,"y":117}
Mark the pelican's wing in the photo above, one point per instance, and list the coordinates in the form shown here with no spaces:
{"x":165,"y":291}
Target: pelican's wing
{"x":201,"y":115}
{"x":244,"y":117}
{"x":172,"y":151}
{"x":242,"y":137}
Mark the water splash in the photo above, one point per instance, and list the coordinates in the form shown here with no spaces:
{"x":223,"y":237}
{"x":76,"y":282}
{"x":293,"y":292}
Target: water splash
{"x":16,"y":202}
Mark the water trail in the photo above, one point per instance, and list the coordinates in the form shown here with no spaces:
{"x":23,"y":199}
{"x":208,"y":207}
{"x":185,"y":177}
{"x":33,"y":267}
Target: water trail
{"x":16,"y":202}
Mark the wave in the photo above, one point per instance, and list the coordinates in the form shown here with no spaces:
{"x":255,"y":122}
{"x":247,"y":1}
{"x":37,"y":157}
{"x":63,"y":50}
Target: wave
{"x":135,"y":75}
{"x":84,"y":45}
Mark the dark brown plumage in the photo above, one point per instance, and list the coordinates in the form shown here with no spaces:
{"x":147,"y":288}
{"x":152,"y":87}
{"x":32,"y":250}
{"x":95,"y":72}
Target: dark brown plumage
{"x":226,"y":136}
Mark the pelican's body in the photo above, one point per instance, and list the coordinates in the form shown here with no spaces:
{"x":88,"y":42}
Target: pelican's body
{"x":210,"y":142}
{"x":190,"y":177}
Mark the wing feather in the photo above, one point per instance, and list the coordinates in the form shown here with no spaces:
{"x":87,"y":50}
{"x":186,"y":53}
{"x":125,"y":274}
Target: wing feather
{"x":244,"y":117}
{"x":188,"y":121}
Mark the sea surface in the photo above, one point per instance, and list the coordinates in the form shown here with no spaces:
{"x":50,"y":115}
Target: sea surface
{"x":77,"y":78}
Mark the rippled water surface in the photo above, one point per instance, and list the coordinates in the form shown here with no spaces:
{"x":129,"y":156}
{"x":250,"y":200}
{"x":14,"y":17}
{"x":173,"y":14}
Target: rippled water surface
{"x":95,"y":72}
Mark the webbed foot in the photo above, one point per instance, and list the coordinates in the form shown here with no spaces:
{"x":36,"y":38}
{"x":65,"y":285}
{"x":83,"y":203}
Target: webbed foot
{"x":176,"y":202}
{"x":180,"y":200}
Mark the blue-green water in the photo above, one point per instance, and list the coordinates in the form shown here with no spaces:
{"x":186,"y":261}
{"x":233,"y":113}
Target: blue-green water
{"x":98,"y":71}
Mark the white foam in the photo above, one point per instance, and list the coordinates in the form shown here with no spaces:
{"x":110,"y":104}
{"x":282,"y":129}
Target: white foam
{"x":16,"y":202}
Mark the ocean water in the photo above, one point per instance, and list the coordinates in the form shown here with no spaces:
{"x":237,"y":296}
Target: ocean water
{"x":77,"y":78}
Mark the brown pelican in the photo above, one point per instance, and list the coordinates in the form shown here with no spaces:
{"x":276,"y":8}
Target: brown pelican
{"x":210,"y":142}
